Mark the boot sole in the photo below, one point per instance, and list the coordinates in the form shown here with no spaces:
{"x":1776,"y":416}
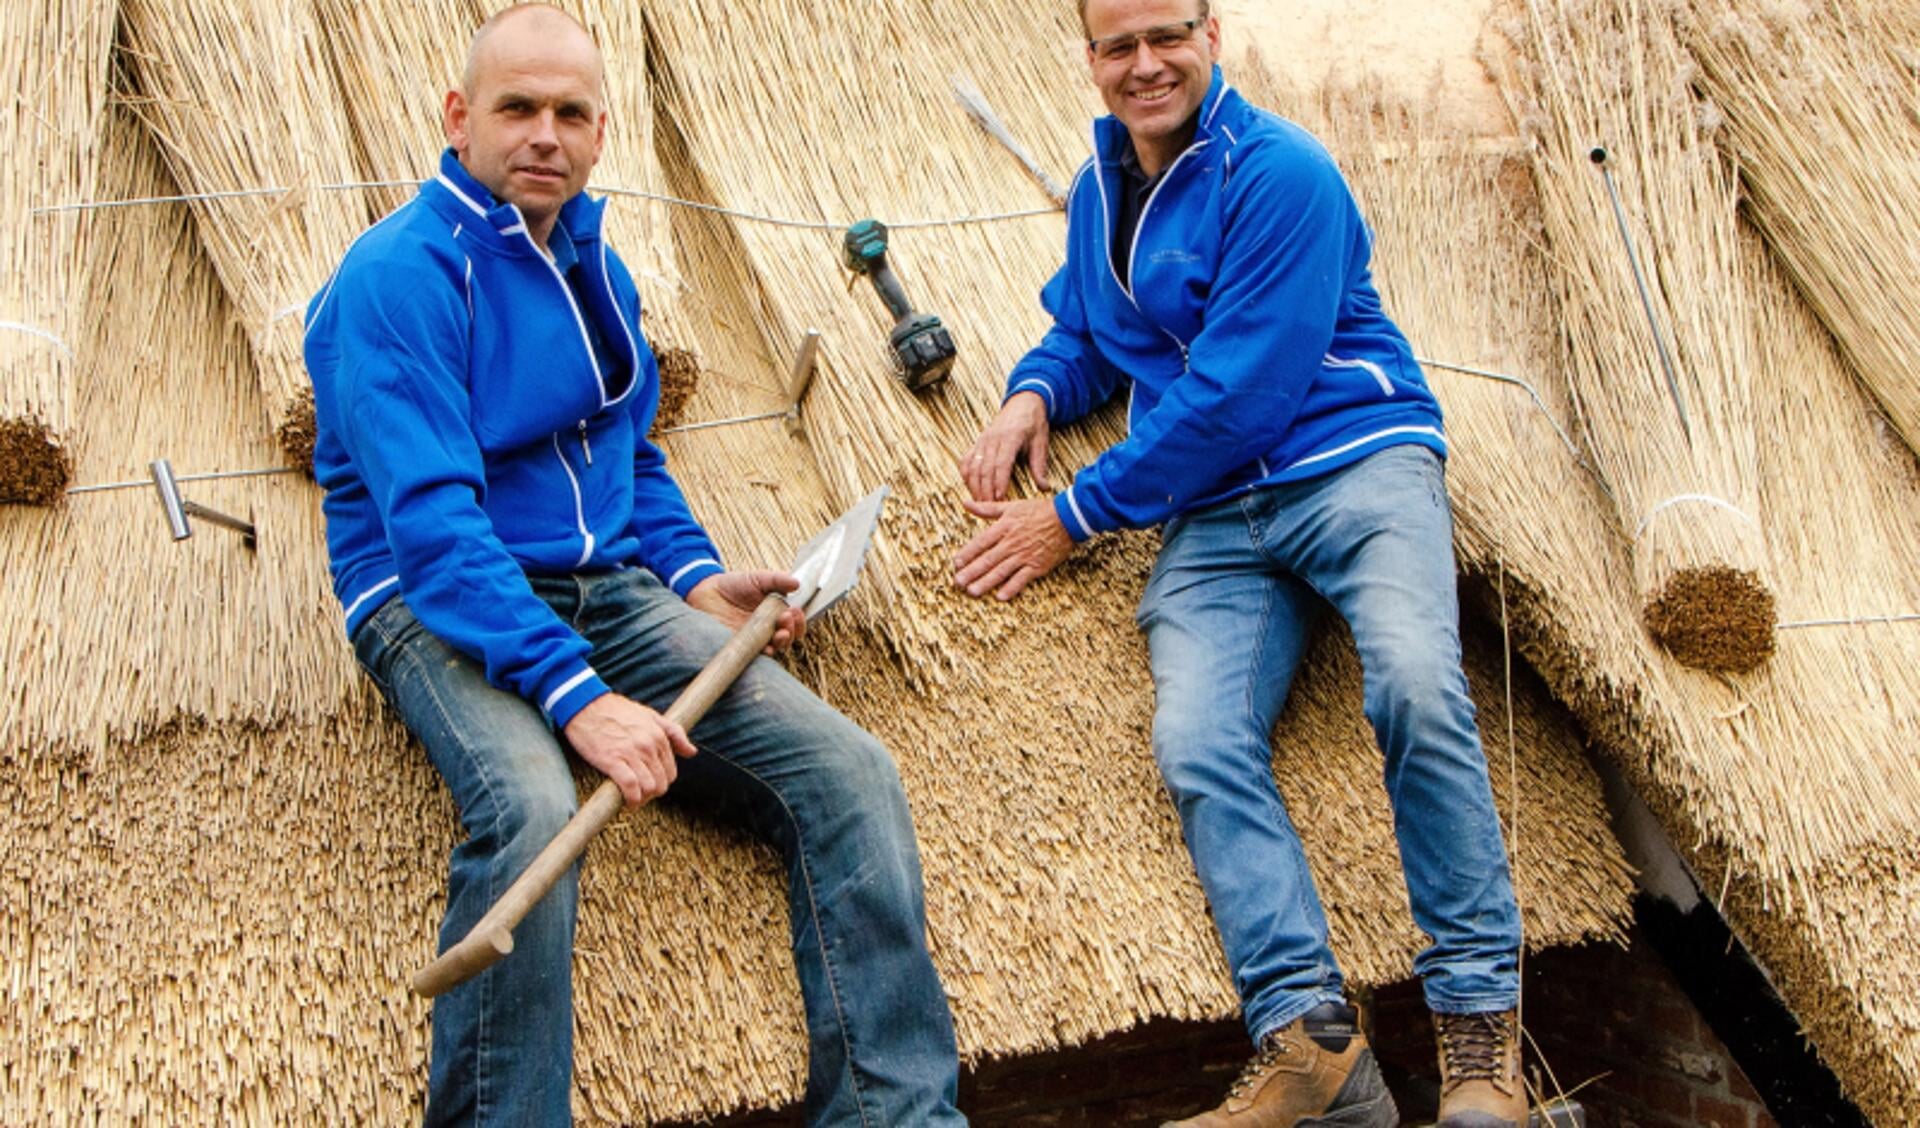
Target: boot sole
{"x":1380,"y":1112}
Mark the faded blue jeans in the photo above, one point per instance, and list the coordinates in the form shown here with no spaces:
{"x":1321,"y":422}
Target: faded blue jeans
{"x":774,"y":758}
{"x":1228,"y":613}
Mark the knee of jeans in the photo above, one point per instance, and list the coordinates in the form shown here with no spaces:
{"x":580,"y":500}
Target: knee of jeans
{"x":869,"y":773}
{"x":534,"y":811}
{"x":1200,"y":756}
{"x":1413,"y":683}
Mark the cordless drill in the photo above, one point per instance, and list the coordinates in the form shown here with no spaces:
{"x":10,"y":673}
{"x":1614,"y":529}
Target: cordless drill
{"x":922,"y":348}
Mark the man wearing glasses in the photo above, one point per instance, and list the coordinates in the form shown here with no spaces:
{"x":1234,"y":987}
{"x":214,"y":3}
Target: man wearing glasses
{"x":1279,"y":427}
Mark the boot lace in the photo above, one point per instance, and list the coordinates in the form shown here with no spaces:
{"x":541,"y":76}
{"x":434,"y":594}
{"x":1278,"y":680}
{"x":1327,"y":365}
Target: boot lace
{"x":1271,"y":1052}
{"x":1473,"y":1046}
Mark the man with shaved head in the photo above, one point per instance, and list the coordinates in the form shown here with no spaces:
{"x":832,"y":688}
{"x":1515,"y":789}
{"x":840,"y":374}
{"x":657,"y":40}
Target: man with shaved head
{"x":521,"y":576}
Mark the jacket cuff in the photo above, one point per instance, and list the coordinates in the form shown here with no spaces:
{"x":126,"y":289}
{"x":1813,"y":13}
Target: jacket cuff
{"x":571,"y":694}
{"x":688,"y":576}
{"x":1072,"y":517}
{"x":1018,"y":384}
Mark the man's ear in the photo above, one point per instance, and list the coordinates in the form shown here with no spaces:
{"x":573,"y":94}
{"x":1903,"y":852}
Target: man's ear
{"x":453,"y":120}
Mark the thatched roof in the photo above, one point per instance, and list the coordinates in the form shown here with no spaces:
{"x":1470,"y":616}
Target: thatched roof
{"x":230,"y":858}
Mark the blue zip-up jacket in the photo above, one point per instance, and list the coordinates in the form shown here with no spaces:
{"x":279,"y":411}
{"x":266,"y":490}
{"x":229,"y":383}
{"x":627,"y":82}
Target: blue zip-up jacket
{"x":1246,"y":324}
{"x":470,"y":434}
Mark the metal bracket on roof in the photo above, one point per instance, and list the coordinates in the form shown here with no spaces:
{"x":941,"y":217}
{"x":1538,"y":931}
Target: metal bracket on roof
{"x":799,"y":379}
{"x":179,"y":509}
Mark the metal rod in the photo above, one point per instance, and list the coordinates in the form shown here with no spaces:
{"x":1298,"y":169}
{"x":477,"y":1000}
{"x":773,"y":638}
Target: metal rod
{"x":1604,"y":162}
{"x":178,"y":509}
{"x":1489,"y":374}
{"x":244,"y":528}
{"x":983,"y":114}
{"x":721,"y":422}
{"x":221,"y":474}
{"x":1864,"y":620}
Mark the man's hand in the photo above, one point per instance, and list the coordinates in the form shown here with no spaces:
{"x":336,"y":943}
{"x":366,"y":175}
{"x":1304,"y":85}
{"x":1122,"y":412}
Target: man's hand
{"x":631,"y":745}
{"x":1020,"y":428}
{"x":1025,"y":542}
{"x":732,"y":598}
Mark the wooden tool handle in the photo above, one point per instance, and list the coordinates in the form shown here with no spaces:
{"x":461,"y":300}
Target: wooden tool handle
{"x":492,"y":936}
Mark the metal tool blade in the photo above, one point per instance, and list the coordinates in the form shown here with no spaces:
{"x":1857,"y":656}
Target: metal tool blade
{"x":830,"y":563}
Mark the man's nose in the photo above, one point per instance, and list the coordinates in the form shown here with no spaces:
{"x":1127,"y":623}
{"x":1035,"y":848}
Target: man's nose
{"x":545,"y":136}
{"x":1145,"y":60}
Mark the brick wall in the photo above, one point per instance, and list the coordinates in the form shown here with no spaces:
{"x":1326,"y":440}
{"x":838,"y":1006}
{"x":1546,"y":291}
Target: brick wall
{"x":1609,"y":1026}
{"x":1612,"y":1024}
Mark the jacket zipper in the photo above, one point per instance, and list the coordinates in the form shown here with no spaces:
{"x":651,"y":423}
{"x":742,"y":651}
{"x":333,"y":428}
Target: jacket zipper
{"x":1146,"y":209}
{"x":579,"y":508}
{"x":1106,"y":227}
{"x":593,"y":363}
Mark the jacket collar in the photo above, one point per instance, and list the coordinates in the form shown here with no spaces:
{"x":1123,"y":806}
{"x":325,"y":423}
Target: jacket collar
{"x":455,"y":192}
{"x":1222,"y":101}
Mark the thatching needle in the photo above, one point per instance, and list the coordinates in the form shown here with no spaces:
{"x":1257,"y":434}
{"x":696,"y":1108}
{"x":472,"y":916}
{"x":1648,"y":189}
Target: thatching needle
{"x":1604,"y":162}
{"x":983,"y":114}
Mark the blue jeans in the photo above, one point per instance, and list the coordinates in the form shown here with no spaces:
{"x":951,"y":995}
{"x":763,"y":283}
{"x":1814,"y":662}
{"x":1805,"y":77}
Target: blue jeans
{"x":774,"y":758}
{"x":1228,"y":613}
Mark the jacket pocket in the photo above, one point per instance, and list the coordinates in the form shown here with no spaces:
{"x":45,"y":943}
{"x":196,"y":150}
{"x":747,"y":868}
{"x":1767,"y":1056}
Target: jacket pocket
{"x":1370,"y":370}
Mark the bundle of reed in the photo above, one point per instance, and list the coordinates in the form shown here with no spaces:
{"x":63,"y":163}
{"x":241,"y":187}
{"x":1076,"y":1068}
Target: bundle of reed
{"x":111,"y":627}
{"x":1820,"y":104}
{"x":1792,"y":792}
{"x":242,"y":99}
{"x":1667,"y":412}
{"x":393,"y":64}
{"x":53,"y":61}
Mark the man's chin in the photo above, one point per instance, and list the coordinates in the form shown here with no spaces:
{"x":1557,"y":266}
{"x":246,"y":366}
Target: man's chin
{"x":533,"y":205}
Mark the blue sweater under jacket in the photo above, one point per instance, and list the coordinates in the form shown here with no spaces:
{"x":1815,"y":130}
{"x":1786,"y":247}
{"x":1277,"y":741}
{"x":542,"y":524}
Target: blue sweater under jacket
{"x":1246,"y":325}
{"x":480,"y":419}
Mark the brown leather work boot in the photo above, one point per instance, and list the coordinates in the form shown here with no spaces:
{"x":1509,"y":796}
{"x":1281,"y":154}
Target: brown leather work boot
{"x":1480,"y":1085}
{"x":1317,"y":1072}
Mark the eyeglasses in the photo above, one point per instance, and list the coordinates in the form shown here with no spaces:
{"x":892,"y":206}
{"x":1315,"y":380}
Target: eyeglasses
{"x":1166,"y":37}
